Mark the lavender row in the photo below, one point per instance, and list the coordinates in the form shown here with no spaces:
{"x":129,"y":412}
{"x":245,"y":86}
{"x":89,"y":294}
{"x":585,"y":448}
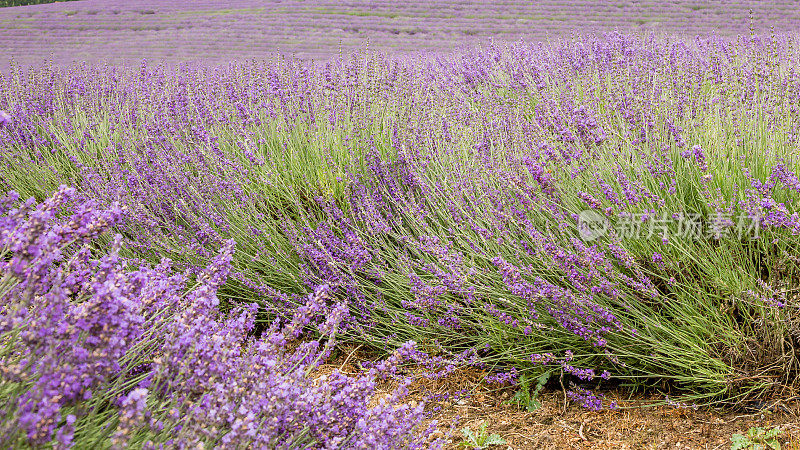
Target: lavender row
{"x":442,"y":196}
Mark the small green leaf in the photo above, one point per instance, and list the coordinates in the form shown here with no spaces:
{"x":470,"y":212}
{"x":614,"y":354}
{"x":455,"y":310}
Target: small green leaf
{"x":757,"y":438}
{"x":739,"y":442}
{"x":533,"y":405}
{"x":542,"y":380}
{"x":468,"y":433}
{"x":494,"y":439}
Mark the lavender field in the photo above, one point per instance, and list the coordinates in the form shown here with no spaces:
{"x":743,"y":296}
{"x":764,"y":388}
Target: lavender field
{"x":213,"y":32}
{"x":184,"y":246}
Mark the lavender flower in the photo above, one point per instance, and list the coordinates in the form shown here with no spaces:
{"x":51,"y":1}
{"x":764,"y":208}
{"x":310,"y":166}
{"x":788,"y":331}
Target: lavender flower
{"x":95,"y":327}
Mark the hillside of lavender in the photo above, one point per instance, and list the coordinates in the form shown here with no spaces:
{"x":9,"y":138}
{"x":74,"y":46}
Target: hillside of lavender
{"x":183,"y":246}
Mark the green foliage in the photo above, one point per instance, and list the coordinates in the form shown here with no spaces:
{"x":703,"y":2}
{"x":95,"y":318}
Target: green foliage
{"x":480,"y":439}
{"x":757,"y":438}
{"x":527,"y":396}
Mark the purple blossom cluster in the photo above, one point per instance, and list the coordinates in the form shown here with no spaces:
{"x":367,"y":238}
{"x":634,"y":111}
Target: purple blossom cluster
{"x":83,"y":332}
{"x":589,"y":400}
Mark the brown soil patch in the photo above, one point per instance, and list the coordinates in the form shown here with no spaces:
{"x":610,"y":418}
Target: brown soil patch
{"x":560,"y":424}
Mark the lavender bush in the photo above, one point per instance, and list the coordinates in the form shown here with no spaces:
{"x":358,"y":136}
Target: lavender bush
{"x":95,"y":352}
{"x":606,"y":208}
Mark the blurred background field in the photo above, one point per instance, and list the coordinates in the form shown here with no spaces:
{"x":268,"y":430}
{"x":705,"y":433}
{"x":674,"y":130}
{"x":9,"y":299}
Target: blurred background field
{"x":215,"y":32}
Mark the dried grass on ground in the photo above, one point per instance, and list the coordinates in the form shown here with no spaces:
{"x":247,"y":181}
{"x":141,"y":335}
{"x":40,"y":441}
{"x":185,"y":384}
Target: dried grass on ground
{"x":559,"y":424}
